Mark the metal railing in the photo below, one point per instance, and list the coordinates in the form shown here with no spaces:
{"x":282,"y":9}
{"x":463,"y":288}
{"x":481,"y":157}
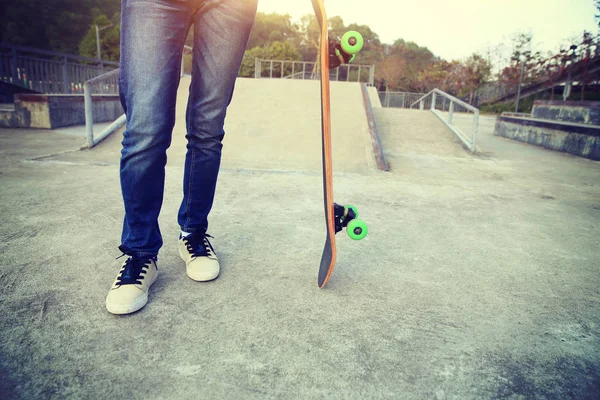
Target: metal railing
{"x":285,"y":69}
{"x":454,"y":106}
{"x":186,"y":50}
{"x":98,"y":86}
{"x":46,"y":71}
{"x":579,"y":63}
{"x":398,"y":99}
{"x":108,"y":83}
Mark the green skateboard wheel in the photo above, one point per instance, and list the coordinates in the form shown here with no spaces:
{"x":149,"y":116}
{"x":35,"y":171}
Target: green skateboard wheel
{"x":352,"y":42}
{"x":357,"y":229}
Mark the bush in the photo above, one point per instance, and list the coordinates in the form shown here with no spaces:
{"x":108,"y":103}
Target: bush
{"x":283,"y":51}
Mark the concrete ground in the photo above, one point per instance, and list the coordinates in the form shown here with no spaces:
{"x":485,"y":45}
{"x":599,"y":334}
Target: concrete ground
{"x":479,"y":278}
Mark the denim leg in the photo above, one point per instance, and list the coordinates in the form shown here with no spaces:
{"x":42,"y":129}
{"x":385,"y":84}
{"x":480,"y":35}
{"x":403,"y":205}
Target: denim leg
{"x":221,"y":32}
{"x":152,"y":36}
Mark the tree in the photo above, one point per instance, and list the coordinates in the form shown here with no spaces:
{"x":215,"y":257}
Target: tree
{"x":275,"y":51}
{"x":248,"y":62}
{"x":56,"y":25}
{"x":390,"y":72}
{"x":440,"y":74}
{"x":414,"y":58}
{"x":269,"y":28}
{"x":475,"y":71}
{"x":309,"y":33}
{"x":109,"y":39}
{"x":336,"y":27}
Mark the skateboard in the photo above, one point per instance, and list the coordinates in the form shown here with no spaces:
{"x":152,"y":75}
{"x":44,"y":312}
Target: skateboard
{"x":332,"y":53}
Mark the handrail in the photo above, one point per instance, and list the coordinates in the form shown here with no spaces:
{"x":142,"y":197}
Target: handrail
{"x":449,"y":97}
{"x":421,"y":98}
{"x":188,"y":49}
{"x":89,"y":111}
{"x":101,"y":78}
{"x":46,"y":71}
{"x":470,"y":143}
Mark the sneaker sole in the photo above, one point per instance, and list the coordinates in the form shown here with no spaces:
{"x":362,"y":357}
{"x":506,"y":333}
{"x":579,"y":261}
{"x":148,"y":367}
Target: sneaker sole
{"x":203,"y":277}
{"x":200,"y":277}
{"x":127,"y":308}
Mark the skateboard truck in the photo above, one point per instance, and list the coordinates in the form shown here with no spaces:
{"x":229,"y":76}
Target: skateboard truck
{"x":347,"y":217}
{"x":343,"y":51}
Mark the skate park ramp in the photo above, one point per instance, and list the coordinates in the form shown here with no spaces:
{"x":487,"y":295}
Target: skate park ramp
{"x":276,"y":124}
{"x":271,"y":125}
{"x":414,"y":139}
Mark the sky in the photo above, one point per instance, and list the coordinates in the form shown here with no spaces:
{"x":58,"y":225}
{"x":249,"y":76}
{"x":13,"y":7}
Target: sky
{"x":455,"y":29}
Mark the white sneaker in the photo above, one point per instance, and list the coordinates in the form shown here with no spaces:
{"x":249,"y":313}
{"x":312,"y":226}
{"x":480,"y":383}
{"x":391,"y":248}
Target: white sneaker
{"x":129,"y":292}
{"x":200,"y":259}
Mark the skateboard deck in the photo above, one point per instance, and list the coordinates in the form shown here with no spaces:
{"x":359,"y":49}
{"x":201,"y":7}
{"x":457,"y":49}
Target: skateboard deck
{"x":333,"y":53}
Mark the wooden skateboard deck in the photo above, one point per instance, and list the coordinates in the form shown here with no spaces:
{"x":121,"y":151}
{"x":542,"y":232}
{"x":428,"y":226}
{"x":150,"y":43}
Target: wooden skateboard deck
{"x":336,"y":217}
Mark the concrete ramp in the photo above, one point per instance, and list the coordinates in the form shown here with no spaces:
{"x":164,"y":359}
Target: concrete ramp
{"x":276,"y":124}
{"x":408,"y":134}
{"x":272,"y":125}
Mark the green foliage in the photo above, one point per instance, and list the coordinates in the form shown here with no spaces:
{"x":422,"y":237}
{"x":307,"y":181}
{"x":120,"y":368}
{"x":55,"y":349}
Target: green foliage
{"x":414,"y":60}
{"x":69,"y":26}
{"x":497,"y":108}
{"x":269,"y":28}
{"x":336,"y":27}
{"x":474,"y":72}
{"x":283,"y":51}
{"x":274,"y":51}
{"x":57,"y":25}
{"x":248,"y":62}
{"x":442,"y":75}
{"x":309,"y":33}
{"x":525,"y":105}
{"x":109,"y":40}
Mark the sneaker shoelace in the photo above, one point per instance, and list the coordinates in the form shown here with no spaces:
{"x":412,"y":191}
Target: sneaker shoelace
{"x":198,"y":245}
{"x":133,"y":271}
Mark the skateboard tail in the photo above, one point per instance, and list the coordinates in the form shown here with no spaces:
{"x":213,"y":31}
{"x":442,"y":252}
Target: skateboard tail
{"x":326,"y":267}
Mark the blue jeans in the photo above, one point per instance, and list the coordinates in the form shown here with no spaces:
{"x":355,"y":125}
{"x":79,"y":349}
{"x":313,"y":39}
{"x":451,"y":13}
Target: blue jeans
{"x":153,"y":33}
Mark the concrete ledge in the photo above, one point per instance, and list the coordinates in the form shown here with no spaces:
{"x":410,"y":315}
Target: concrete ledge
{"x":374,"y":97}
{"x":580,"y":112}
{"x":577,"y":139}
{"x":373,"y":132}
{"x":57,"y":111}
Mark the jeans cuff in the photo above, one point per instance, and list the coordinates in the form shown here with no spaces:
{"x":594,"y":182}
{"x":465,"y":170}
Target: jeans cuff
{"x":138,"y":254}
